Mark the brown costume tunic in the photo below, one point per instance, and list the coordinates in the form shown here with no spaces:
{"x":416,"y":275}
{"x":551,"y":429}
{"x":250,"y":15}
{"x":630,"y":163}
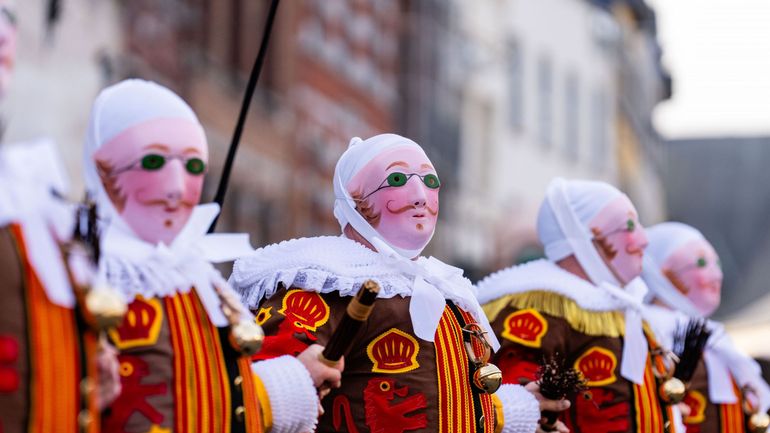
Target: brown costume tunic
{"x":533,"y":324}
{"x":41,"y":355}
{"x":180,"y":374}
{"x":393,"y":381}
{"x":708,"y":417}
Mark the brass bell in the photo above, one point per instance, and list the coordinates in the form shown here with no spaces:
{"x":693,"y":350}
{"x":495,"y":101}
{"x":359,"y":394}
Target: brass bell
{"x":488,"y":378}
{"x":759,"y":422}
{"x":247,"y":337}
{"x":106,"y":307}
{"x":672,"y":391}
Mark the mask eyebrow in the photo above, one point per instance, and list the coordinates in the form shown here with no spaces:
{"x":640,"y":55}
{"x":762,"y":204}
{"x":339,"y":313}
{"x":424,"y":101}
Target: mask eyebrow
{"x":427,"y":167}
{"x":157,"y":146}
{"x":401,"y":163}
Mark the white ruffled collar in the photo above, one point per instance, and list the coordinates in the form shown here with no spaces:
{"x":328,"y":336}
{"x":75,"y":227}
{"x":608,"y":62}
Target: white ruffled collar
{"x":136,"y":267}
{"x":29,"y":174}
{"x":543,"y":275}
{"x":337,"y":264}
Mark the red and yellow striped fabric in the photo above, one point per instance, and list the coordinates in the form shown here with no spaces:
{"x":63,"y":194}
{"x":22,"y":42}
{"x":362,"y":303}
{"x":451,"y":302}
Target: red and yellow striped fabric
{"x":731,"y":416}
{"x":455,"y":393}
{"x":54,"y":357}
{"x":649,"y":415}
{"x":201,"y":392}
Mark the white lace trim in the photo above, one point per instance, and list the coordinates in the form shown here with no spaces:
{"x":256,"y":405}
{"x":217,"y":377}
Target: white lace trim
{"x":135,"y":267}
{"x":337,"y":264}
{"x":322,"y":264}
{"x":293,"y":398}
{"x":543,"y":275}
{"x":521,"y":411}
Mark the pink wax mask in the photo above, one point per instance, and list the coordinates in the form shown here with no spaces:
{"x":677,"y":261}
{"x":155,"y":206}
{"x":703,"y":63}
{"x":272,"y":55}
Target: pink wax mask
{"x":397,"y":193}
{"x":8,"y":35}
{"x":620,"y":238}
{"x":694,"y":270}
{"x":153,"y":175}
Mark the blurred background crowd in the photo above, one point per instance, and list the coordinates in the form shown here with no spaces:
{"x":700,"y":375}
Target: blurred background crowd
{"x":669,"y":100}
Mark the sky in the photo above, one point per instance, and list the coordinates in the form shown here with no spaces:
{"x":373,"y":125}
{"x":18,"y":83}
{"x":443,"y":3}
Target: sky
{"x":718,"y":52}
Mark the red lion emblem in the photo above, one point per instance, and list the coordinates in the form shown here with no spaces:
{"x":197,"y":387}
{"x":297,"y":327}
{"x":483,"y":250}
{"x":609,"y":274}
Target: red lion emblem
{"x":382,"y":415}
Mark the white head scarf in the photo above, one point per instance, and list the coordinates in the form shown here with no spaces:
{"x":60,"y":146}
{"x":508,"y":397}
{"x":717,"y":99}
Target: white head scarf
{"x":433,"y":281}
{"x":562,"y":226}
{"x":359,"y":153}
{"x":128,"y":263}
{"x":664,"y":239}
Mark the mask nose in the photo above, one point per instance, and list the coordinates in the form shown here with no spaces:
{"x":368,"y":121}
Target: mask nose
{"x":417,"y":196}
{"x":173,"y":182}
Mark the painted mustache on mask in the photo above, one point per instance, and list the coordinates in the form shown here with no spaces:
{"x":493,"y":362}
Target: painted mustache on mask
{"x":401,"y":210}
{"x":169,"y":204}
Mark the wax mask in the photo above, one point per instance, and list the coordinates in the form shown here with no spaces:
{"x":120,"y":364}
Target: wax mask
{"x":397,"y":193}
{"x":153,"y":173}
{"x":7,"y":44}
{"x":695,"y":271}
{"x":620,"y":239}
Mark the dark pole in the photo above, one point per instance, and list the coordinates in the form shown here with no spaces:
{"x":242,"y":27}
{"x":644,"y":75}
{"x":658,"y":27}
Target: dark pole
{"x":219,"y":198}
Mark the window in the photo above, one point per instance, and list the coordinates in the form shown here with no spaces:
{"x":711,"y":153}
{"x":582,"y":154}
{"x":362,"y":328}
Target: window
{"x":545,"y":94}
{"x":515,"y":86}
{"x":571,"y":120}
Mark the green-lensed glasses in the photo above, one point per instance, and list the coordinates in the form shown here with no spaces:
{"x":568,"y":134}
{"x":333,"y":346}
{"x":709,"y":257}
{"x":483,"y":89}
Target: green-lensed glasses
{"x":397,"y":179}
{"x":155,"y":161}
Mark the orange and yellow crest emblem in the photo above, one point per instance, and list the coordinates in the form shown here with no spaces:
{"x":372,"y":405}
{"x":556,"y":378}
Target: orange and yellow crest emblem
{"x":394,"y":351}
{"x":141,"y":325}
{"x":597,"y":365}
{"x":526,"y":327}
{"x":307,"y":309}
{"x":697,"y":404}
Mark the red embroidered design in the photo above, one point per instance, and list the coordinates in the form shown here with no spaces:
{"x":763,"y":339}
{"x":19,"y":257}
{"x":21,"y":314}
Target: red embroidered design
{"x":518,"y":366}
{"x":341,"y":402}
{"x":526,"y":327}
{"x":304,"y":313}
{"x":697,"y":404}
{"x":598,"y":415}
{"x":598,"y":366}
{"x":9,"y":353}
{"x":141,"y":326}
{"x":288,"y":340}
{"x":383,"y":416}
{"x":393,"y":351}
{"x":307,"y":309}
{"x":133,"y":395}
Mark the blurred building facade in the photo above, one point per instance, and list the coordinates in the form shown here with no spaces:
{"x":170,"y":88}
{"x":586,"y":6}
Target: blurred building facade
{"x":331,"y":73}
{"x":504,"y":96}
{"x":551,"y":88}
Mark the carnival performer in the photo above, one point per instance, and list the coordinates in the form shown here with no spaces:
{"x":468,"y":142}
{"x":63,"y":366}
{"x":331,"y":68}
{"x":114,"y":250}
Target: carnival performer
{"x":180,"y":346}
{"x":683,"y":274}
{"x":583,"y":306}
{"x":420,"y":362}
{"x":49,"y":352}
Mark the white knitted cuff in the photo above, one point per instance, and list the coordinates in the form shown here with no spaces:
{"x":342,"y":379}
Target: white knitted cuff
{"x":293,"y":398}
{"x":521,"y":411}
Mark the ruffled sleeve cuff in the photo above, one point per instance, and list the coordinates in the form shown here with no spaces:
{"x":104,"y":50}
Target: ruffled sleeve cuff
{"x":520,"y":410}
{"x":290,"y":391}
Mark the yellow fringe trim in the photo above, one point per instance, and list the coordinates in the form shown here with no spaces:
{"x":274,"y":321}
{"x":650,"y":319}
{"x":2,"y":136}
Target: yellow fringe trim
{"x":594,"y":323}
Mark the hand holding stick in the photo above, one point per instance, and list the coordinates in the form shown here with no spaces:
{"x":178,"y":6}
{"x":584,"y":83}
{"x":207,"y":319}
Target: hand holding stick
{"x":357,"y":313}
